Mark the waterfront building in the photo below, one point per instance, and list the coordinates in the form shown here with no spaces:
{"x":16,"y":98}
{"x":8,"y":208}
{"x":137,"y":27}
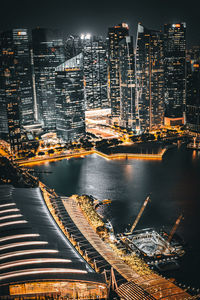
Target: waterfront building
{"x":37,"y":259}
{"x":175,"y":71}
{"x":149,"y":79}
{"x":16,"y":84}
{"x":127,"y":83}
{"x":48,"y":53}
{"x":115,"y":35}
{"x":193,"y":90}
{"x":95,"y":72}
{"x":70,"y":104}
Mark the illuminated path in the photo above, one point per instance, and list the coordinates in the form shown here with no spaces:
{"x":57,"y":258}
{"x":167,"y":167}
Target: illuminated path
{"x":38,"y":160}
{"x":137,"y":287}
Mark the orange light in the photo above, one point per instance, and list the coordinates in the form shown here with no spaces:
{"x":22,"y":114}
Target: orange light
{"x":124,"y":25}
{"x":72,"y":69}
{"x":177,"y":25}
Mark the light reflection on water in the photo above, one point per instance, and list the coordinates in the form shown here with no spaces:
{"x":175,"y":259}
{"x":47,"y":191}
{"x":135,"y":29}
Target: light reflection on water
{"x":173,"y":184}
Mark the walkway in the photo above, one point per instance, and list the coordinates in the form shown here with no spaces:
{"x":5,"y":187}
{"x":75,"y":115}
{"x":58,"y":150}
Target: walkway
{"x":140,"y":287}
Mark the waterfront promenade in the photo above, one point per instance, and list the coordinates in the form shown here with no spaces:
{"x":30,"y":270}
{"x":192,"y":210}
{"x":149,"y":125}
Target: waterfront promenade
{"x":50,"y":158}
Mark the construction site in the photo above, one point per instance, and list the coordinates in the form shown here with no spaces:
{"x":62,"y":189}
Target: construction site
{"x":155,"y":247}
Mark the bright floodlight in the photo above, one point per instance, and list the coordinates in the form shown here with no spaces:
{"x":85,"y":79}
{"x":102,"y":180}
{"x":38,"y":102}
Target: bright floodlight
{"x":88,"y":36}
{"x":82,"y":36}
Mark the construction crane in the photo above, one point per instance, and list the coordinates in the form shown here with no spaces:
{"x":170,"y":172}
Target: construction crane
{"x":175,"y":227}
{"x":103,"y":202}
{"x":140,"y":214}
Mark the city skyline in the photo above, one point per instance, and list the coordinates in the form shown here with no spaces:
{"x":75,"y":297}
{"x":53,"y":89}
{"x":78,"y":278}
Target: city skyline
{"x":99,"y":104}
{"x":80,"y":17}
{"x":144,"y":86}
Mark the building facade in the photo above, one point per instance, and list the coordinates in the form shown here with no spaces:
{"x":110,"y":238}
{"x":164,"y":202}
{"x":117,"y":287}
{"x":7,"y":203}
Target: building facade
{"x":16,"y":84}
{"x":73,"y":45}
{"x":193,"y":91}
{"x":115,"y":35}
{"x":70,"y":104}
{"x":175,"y":69}
{"x":127,"y":83}
{"x":149,"y":79}
{"x":95,"y":72}
{"x":48,"y":53}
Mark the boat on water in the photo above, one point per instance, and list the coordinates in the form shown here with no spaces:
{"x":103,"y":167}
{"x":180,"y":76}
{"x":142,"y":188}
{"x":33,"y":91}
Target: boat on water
{"x":194,"y":146}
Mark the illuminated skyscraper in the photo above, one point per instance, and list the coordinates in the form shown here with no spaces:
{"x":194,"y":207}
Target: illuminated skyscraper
{"x":127,"y":83}
{"x":193,"y":90}
{"x":149,"y":79}
{"x":3,"y":109}
{"x":95,"y":72}
{"x":174,"y":67}
{"x":115,"y":35}
{"x":70,"y":106}
{"x":48,"y":53}
{"x":16,"y":83}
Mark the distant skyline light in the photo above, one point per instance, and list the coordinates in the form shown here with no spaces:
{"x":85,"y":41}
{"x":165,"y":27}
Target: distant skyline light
{"x":76,"y":17}
{"x":86,"y":36}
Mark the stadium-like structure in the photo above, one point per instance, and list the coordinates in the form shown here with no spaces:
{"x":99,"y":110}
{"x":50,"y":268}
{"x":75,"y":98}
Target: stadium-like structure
{"x":36,"y":259}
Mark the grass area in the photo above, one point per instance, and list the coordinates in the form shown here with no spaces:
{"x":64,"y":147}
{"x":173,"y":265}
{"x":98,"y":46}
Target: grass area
{"x":137,"y":148}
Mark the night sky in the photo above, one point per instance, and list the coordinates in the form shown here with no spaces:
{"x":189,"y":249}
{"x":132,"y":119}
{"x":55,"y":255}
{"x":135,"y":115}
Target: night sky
{"x":96,"y":16}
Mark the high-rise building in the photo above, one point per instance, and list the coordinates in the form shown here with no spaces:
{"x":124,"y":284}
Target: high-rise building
{"x":127,"y":83}
{"x":70,"y":106}
{"x":193,"y":90}
{"x":115,"y":35}
{"x":175,"y":69}
{"x":73,"y":46}
{"x":193,"y":53}
{"x":48,"y":53}
{"x":3,"y":109}
{"x":16,"y":83}
{"x":95,"y":72}
{"x":149,"y":79}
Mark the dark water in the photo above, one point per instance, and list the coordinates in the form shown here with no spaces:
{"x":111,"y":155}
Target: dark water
{"x":173,"y":183}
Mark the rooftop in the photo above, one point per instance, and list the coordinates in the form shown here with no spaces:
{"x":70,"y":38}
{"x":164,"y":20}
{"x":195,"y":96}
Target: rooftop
{"x":32,"y":247}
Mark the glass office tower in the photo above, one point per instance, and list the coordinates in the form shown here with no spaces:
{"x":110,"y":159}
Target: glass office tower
{"x":48,"y":53}
{"x":115,"y":35}
{"x":193,"y":90}
{"x":175,"y":69}
{"x":70,"y":106}
{"x":95,"y":72}
{"x":127,"y":83}
{"x":16,"y":84}
{"x":149,"y":79}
